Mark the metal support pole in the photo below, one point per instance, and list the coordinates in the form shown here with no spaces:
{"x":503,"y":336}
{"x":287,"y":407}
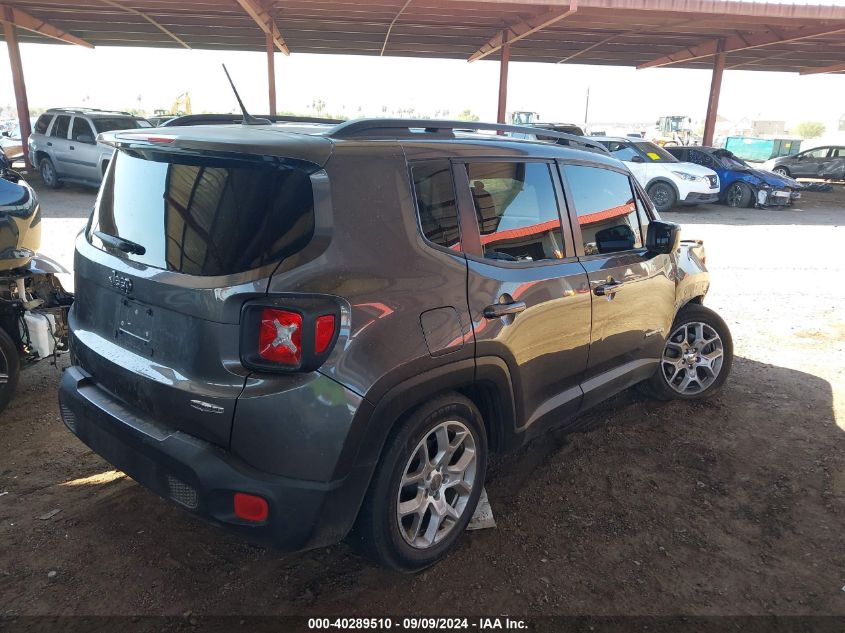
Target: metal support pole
{"x":271,"y":72}
{"x":715,"y":89}
{"x":18,"y":81}
{"x":503,"y":79}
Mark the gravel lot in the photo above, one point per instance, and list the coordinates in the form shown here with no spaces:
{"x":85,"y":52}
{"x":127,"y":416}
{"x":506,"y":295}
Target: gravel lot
{"x":731,"y":506}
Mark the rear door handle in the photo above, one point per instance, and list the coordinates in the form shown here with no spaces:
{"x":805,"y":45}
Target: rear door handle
{"x":71,"y":146}
{"x":499,"y":310}
{"x":49,"y":144}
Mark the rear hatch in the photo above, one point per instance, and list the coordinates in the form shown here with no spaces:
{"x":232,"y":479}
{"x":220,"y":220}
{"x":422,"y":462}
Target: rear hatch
{"x":185,"y":229}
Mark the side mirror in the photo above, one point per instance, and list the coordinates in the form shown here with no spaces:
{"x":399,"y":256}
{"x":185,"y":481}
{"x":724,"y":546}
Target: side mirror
{"x":86,"y":138}
{"x":663,"y":237}
{"x":636,"y":158}
{"x":5,"y":133}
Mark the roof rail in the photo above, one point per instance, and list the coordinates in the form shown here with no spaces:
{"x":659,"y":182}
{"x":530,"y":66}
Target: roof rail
{"x":361,"y":128}
{"x":223,"y":119}
{"x":83,"y":110}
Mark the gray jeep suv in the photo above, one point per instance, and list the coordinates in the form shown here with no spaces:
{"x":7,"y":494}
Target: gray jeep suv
{"x":300,"y":332}
{"x":63,"y":145}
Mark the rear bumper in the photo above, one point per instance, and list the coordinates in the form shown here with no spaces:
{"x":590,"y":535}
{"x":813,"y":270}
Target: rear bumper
{"x":701,"y":198}
{"x":203,"y":477}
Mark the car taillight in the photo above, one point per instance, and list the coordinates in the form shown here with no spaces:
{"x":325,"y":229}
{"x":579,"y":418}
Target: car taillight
{"x":289,"y":333}
{"x":280,"y":336}
{"x":323,"y":333}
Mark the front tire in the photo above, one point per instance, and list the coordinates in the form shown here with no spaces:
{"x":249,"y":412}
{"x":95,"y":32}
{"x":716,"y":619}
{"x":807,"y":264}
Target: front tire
{"x":10,"y":369}
{"x":782,"y":172}
{"x":739,"y":195}
{"x":426,"y":486}
{"x":697,"y":357}
{"x":663,"y":196}
{"x":48,"y":174}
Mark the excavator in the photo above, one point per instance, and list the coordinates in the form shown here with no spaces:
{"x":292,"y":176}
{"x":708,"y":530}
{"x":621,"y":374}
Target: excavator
{"x":181,"y":105}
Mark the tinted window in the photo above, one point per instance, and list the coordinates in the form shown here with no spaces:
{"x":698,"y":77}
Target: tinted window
{"x":838,"y":152}
{"x":517,"y":212}
{"x":620,"y":150}
{"x":816,"y":153}
{"x":435,"y":194}
{"x":60,"y":126}
{"x":116,"y":123}
{"x":204,"y":215}
{"x":80,"y":128}
{"x":655,"y":153}
{"x":43,"y":123}
{"x":607,"y":212}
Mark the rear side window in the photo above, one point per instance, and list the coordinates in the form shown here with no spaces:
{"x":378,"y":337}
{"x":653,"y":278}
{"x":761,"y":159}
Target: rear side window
{"x":204,"y":215}
{"x":60,"y":126}
{"x":517,"y":212}
{"x":607,"y":212}
{"x":434,"y":191}
{"x":43,"y":123}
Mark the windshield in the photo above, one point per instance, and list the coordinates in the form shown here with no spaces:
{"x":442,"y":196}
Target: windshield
{"x":203,"y":215}
{"x":111,"y":124}
{"x":655,"y":153}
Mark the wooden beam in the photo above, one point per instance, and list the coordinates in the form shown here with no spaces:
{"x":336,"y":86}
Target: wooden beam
{"x":835,"y":68}
{"x":715,"y":91}
{"x":503,"y":79}
{"x":141,"y":14}
{"x":740,"y":42}
{"x":271,"y":72}
{"x":265,"y":22}
{"x":30,"y":23}
{"x":523,"y":29}
{"x":21,"y":101}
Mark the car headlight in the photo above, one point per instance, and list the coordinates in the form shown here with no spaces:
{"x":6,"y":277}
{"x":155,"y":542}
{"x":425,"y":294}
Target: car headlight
{"x":685,"y":176}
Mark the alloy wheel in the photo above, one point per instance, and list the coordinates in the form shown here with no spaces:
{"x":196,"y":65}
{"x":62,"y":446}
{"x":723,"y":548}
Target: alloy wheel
{"x":47,"y":173}
{"x":692,"y":358}
{"x":436,"y":484}
{"x":660,"y":196}
{"x":734,"y":197}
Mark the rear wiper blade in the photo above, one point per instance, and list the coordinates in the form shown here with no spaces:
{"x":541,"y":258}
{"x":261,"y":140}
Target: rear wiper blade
{"x":127,"y":246}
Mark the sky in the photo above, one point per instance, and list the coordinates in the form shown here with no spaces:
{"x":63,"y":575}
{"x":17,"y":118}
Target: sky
{"x":123,"y":78}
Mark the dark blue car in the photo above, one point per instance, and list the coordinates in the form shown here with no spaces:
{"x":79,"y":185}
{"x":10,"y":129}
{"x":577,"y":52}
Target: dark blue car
{"x":742,"y":184}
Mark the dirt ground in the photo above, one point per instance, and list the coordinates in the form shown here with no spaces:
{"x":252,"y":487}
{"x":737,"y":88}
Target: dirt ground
{"x":731,"y":506}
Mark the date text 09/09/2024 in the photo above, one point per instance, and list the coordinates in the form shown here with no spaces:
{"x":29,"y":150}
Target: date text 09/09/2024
{"x":418,"y":624}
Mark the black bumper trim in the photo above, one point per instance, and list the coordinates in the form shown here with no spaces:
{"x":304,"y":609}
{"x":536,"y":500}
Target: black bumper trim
{"x":303,"y":514}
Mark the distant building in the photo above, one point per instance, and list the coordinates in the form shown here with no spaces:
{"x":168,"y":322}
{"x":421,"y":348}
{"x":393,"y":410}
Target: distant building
{"x":768,"y":128}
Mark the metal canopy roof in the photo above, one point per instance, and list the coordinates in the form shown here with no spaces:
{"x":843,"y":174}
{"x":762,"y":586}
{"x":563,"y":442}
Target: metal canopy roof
{"x":643,"y":33}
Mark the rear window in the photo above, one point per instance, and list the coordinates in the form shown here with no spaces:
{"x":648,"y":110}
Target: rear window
{"x":204,"y":215}
{"x":111,"y":124}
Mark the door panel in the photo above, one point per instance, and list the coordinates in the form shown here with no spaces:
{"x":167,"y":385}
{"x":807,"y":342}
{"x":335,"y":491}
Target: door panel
{"x":59,"y":144}
{"x":528,"y":297}
{"x":82,"y":157}
{"x":633,"y":290}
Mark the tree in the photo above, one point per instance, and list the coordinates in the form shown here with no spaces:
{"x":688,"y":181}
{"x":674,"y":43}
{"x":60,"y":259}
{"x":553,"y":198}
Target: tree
{"x":810,"y":129}
{"x":468,"y":115}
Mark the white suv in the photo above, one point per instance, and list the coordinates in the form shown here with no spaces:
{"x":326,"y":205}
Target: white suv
{"x":666,"y":180}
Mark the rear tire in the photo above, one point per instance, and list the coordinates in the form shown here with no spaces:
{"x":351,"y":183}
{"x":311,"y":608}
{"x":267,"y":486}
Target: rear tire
{"x":48,"y":174}
{"x":426,"y":486}
{"x":696,"y":359}
{"x":739,"y":195}
{"x":10,"y":369}
{"x":663,"y":196}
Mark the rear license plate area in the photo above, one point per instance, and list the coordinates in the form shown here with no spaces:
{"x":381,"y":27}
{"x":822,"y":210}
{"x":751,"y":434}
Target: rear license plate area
{"x":135,"y":325}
